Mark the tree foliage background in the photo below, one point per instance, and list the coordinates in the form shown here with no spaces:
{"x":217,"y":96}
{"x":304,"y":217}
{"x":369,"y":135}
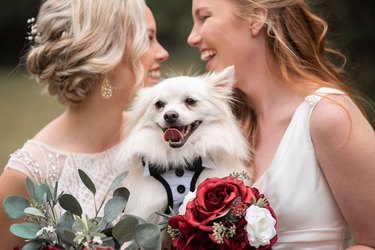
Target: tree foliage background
{"x":352,"y":31}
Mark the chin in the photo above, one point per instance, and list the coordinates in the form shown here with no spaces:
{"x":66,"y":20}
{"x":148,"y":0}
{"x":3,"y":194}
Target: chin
{"x":181,"y":123}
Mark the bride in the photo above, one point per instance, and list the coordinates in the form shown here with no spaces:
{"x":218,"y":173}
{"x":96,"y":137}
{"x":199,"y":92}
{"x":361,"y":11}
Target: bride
{"x":314,"y":149}
{"x":92,"y":59}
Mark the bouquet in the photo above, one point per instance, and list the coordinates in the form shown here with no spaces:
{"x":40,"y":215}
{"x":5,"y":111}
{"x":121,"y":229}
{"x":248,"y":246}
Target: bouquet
{"x":223,"y":213}
{"x":44,"y":228}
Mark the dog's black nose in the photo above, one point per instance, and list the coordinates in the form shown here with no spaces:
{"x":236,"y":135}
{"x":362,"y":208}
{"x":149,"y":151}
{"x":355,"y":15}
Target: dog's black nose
{"x":171,"y":116}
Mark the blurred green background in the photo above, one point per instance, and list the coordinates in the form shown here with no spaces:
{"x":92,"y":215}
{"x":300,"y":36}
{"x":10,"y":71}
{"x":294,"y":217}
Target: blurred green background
{"x":24,"y":111}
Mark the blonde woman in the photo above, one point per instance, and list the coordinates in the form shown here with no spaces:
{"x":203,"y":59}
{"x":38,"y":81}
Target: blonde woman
{"x":92,"y":55}
{"x":314,"y":149}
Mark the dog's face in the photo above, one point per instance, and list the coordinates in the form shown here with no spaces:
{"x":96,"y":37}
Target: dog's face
{"x":184,"y":115}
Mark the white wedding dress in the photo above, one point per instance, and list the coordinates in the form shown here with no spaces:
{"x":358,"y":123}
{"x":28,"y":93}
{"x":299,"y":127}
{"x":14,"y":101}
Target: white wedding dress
{"x":308,"y":216}
{"x":41,"y":162}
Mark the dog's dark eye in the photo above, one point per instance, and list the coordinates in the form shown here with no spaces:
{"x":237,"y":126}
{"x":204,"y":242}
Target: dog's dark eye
{"x":159,"y":104}
{"x":190,"y":101}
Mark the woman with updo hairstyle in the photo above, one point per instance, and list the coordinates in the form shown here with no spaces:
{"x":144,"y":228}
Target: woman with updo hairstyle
{"x":91,"y":55}
{"x":314,"y":149}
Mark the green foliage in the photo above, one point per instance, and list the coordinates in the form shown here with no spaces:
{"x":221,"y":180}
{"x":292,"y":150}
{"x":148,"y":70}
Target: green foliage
{"x":113,"y":208}
{"x":70,"y":203}
{"x":26,"y":230}
{"x":87,"y":181}
{"x":72,"y":230}
{"x":14,"y":206}
{"x":124,"y":230}
{"x":146,"y":235}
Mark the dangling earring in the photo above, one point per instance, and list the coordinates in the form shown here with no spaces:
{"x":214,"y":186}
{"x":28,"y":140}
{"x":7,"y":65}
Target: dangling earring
{"x":106,"y":89}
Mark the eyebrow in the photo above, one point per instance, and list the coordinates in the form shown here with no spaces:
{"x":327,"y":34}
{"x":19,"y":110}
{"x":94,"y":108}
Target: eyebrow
{"x":200,"y":9}
{"x":153,"y":31}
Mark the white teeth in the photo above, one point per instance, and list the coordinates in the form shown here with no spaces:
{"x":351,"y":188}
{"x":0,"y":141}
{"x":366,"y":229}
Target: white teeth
{"x":187,"y":130}
{"x":208,"y":54}
{"x":154,"y":74}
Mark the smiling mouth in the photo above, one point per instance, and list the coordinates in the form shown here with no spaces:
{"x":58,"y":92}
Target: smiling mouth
{"x":154,"y":74}
{"x":177,"y":136}
{"x":208,"y":55}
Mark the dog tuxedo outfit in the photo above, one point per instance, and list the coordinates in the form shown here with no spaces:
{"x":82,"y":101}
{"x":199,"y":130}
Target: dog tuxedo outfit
{"x":177,"y":180}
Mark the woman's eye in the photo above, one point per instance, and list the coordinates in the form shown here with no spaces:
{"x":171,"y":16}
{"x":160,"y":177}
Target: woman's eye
{"x":159,"y":104}
{"x":190,"y":101}
{"x":202,"y":18}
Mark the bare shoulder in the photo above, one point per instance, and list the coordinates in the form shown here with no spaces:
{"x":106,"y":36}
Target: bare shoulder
{"x":12,"y":180}
{"x":336,"y":119}
{"x":344,"y":143}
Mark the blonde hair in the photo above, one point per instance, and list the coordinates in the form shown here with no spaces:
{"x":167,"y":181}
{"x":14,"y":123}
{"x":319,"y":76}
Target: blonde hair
{"x":80,"y":41}
{"x":296,"y":41}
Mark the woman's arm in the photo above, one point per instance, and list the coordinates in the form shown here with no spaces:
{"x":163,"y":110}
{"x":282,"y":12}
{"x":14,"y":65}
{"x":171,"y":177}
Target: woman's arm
{"x":345,"y":147}
{"x":12,"y":182}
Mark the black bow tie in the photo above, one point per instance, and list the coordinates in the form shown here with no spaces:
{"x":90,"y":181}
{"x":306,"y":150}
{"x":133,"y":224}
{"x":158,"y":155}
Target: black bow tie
{"x":156,"y":170}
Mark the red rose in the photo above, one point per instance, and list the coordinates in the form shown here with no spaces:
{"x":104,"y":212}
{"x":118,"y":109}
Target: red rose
{"x":240,"y":240}
{"x":214,"y":198}
{"x":50,"y":247}
{"x":188,"y":237}
{"x":183,"y":231}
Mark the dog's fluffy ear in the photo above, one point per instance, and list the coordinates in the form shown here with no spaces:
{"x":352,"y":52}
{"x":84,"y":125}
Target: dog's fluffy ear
{"x":225,"y":78}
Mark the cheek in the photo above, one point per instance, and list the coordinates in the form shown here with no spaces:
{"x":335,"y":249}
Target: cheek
{"x":146,"y":60}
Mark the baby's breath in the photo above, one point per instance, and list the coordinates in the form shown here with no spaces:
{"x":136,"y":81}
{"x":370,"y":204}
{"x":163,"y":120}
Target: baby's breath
{"x":241,"y":176}
{"x":220,"y":232}
{"x":173,"y":233}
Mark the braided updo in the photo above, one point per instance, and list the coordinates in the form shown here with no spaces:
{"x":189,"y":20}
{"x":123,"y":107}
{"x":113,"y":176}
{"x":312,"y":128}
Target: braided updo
{"x":79,"y":41}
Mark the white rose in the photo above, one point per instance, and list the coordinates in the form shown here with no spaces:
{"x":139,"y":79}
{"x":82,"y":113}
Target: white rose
{"x":260,"y":226}
{"x":189,"y":197}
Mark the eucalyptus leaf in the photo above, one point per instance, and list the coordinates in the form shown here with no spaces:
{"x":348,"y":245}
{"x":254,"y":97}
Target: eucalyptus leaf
{"x":124,"y":230}
{"x":116,"y":182}
{"x":110,"y":239}
{"x":69,"y":236}
{"x":69,"y":203}
{"x":113,"y":208}
{"x":148,"y":236}
{"x":32,"y":245}
{"x":34,"y":211}
{"x":122,"y":192}
{"x":15,"y":206}
{"x":87,"y":181}
{"x":30,"y":187}
{"x":65,"y":224}
{"x":43,"y":193}
{"x":26,"y":230}
{"x":109,"y":242}
{"x":132,"y":246}
{"x":103,"y":225}
{"x":140,"y":220}
{"x":55,"y":198}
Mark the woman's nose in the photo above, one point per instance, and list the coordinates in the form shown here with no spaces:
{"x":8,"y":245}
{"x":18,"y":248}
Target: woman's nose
{"x":194,"y":38}
{"x":162,"y":55}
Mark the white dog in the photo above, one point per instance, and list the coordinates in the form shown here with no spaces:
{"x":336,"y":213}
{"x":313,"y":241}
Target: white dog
{"x":181,"y":131}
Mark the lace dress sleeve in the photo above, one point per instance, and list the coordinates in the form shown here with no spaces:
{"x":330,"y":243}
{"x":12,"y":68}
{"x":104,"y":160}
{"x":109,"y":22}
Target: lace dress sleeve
{"x":35,"y":162}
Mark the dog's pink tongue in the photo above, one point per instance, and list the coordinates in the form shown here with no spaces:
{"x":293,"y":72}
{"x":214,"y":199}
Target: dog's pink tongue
{"x":172,"y":134}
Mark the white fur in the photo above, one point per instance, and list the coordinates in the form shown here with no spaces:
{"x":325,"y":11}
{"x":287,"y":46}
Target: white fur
{"x":218,"y":137}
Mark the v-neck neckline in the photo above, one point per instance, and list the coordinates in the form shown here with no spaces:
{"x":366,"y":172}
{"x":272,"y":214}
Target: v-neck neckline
{"x":280,"y":148}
